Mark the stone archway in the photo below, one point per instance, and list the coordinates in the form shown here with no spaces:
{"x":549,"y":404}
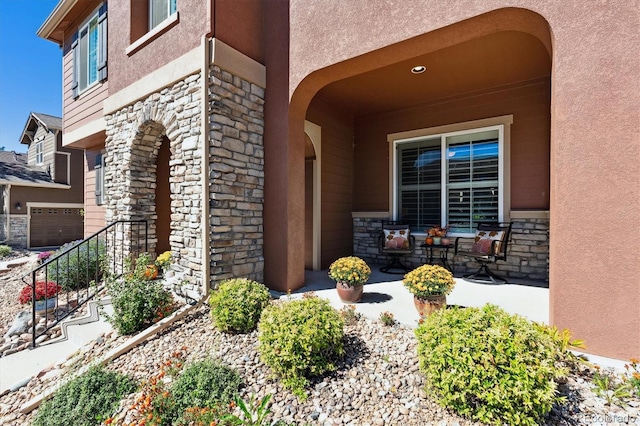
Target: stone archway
{"x":135,"y":135}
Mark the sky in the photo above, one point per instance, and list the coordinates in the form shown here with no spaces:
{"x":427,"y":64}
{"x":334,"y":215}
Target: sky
{"x":30,"y":68}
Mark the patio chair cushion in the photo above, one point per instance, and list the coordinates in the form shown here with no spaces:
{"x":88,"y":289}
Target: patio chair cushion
{"x":396,"y":239}
{"x":484,"y":239}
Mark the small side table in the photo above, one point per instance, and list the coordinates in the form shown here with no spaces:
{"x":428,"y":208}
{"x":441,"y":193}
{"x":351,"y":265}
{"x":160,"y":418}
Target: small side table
{"x":443,"y":259}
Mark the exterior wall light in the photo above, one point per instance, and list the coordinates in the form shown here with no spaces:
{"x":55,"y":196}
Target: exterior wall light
{"x":18,"y":206}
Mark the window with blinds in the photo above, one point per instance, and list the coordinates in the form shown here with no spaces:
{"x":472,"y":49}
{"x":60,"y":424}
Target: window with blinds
{"x":449,"y":179}
{"x":159,"y":11}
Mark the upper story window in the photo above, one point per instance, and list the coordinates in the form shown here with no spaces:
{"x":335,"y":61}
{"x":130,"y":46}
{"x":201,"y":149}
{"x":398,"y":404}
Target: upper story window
{"x":90,"y":52}
{"x":454,"y":178}
{"x":39,"y":148}
{"x":150,"y":19}
{"x":159,"y":11}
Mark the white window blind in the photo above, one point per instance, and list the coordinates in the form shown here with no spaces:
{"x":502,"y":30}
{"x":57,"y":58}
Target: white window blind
{"x":459,"y":189}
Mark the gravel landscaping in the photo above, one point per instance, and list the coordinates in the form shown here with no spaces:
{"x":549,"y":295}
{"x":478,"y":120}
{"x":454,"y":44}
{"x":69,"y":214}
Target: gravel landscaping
{"x":377,"y":383}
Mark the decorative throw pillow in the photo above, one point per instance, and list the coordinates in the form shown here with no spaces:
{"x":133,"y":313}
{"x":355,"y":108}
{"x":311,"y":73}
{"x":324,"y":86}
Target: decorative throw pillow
{"x":396,"y":238}
{"x":484,"y":240}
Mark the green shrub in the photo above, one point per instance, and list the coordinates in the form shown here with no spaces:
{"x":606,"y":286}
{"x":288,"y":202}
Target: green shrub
{"x":488,"y":365}
{"x":137,"y":302}
{"x":299,"y":339}
{"x":205,"y":384}
{"x":80,"y":266}
{"x":86,"y":400}
{"x":4,"y":251}
{"x":237,"y":304}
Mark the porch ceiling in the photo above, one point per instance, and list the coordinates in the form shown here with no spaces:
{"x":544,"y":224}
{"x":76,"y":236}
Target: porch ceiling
{"x":495,"y":60}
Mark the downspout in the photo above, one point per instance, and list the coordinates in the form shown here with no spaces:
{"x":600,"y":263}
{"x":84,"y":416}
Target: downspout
{"x":204,"y":168}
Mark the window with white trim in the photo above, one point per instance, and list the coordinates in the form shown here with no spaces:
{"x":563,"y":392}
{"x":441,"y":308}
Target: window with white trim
{"x":99,"y":169}
{"x":454,"y":178}
{"x":89,"y":48}
{"x":39,"y":151}
{"x":159,"y":11}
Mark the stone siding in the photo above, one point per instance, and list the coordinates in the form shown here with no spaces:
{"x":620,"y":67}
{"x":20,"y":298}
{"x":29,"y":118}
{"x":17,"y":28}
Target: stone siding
{"x":527,"y":256}
{"x":235,"y":166}
{"x":236,"y":170}
{"x":3,"y":227}
{"x":133,"y":137}
{"x":18,"y":225}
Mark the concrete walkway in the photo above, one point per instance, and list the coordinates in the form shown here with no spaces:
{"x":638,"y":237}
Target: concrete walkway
{"x":17,"y":369}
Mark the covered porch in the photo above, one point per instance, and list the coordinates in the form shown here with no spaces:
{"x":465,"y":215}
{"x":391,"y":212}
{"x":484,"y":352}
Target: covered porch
{"x":385,"y":293}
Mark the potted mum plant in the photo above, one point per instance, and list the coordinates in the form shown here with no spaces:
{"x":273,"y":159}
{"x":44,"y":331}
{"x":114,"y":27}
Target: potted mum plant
{"x":163,"y":261}
{"x":350,"y":273}
{"x":430,"y":285}
{"x":46,"y":292}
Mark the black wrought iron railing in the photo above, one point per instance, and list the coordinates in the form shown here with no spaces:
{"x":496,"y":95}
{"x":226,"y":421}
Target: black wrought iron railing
{"x":73,"y":276}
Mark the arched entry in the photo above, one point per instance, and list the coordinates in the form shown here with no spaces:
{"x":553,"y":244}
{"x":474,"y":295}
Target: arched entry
{"x":163,"y":197}
{"x":313,"y":242}
{"x":478,"y":71}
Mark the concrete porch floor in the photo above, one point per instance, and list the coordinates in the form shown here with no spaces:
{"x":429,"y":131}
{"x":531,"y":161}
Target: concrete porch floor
{"x":385,"y":292}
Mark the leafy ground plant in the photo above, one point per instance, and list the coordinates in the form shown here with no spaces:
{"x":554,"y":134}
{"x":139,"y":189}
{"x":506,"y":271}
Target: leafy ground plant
{"x":4,"y":251}
{"x":137,"y":300}
{"x":489,"y":365}
{"x":86,"y":400}
{"x":300,"y":339}
{"x":79,"y":266}
{"x":237,"y":304}
{"x":195,"y":394}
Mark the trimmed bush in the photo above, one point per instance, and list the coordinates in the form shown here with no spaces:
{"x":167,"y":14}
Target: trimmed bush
{"x":87,"y":400}
{"x":205,"y":383}
{"x":237,"y":304}
{"x":300,"y":339}
{"x":78,"y":267}
{"x":4,"y":251}
{"x":137,"y":301}
{"x":488,"y":365}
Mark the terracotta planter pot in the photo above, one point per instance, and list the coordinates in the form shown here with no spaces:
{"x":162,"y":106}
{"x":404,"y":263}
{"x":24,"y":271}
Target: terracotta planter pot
{"x":349,"y":294}
{"x":430,"y":304}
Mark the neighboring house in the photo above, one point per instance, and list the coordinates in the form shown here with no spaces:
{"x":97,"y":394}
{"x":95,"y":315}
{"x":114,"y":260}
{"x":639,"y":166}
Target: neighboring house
{"x":258,"y":137}
{"x":41,"y":192}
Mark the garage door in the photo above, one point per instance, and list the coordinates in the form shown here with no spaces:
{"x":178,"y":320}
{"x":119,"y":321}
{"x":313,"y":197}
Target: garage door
{"x":55,"y":226}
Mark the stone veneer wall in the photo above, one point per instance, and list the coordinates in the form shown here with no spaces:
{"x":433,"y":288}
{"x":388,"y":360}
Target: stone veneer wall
{"x":3,"y":227}
{"x":18,"y":225}
{"x":133,"y":137}
{"x":527,"y":258}
{"x":236,"y":187}
{"x":236,"y":170}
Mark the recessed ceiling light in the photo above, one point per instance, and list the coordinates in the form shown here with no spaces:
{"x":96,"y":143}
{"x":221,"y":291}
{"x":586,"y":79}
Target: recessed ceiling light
{"x":418,"y":69}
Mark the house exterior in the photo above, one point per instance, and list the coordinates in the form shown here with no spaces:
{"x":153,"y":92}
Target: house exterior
{"x":41,"y":192}
{"x":259,"y":137}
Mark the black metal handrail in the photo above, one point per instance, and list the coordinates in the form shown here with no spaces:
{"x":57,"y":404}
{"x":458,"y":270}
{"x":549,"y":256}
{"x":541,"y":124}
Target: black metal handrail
{"x":79,"y":268}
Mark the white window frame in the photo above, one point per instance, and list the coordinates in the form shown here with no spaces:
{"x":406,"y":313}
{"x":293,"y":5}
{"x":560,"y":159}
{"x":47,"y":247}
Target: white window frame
{"x":39,"y":151}
{"x":170,"y":6}
{"x":86,"y":25}
{"x":447,"y":131}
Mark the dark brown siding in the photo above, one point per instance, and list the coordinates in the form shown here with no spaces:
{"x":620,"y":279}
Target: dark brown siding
{"x":337,"y":181}
{"x":530,"y":134}
{"x":239,"y":24}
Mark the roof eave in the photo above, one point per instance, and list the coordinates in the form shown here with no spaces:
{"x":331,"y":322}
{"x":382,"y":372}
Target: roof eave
{"x":54,"y":19}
